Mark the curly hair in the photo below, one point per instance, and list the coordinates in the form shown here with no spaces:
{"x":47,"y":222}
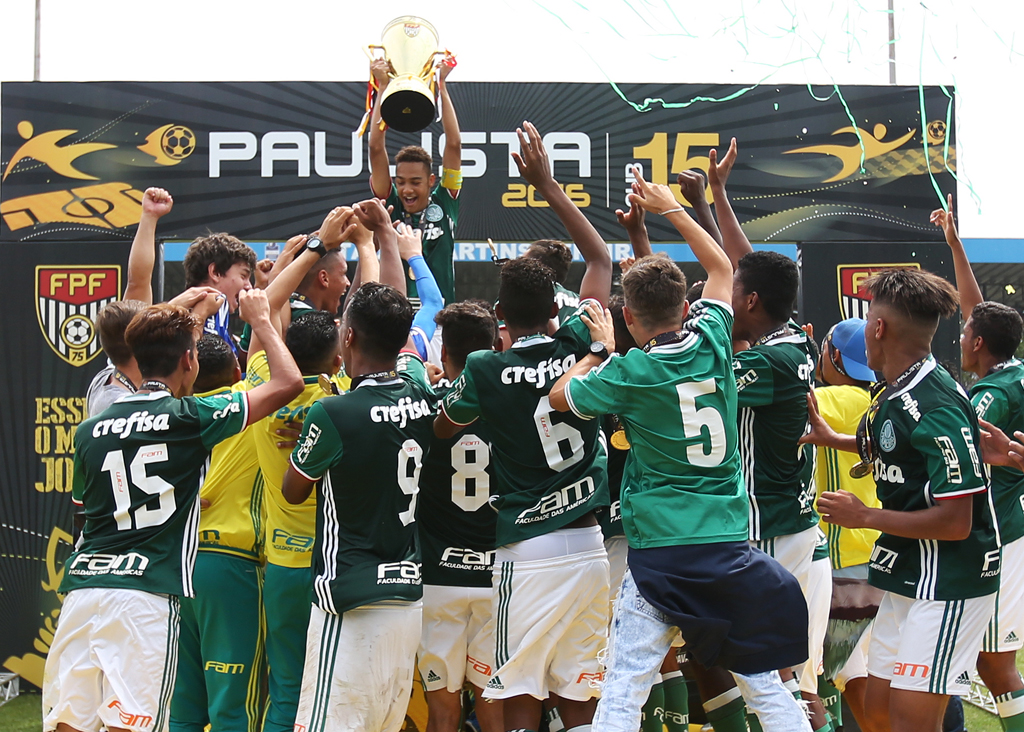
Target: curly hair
{"x":526,"y":292}
{"x":313,"y":341}
{"x":553,"y":253}
{"x":217,"y":363}
{"x":415,"y":154}
{"x":221,"y":250}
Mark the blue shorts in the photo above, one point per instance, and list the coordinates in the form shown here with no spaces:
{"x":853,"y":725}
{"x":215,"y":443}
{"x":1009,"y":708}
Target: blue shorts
{"x":734,"y":605}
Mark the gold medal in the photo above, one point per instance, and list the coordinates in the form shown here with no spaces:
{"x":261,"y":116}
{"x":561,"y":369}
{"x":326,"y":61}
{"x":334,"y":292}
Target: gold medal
{"x":860,"y":470}
{"x":618,"y":440}
{"x":328,"y":386}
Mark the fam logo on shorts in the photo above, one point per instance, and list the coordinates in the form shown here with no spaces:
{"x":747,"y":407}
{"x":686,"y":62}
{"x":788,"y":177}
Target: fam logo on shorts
{"x":68,"y":298}
{"x":853,"y":300}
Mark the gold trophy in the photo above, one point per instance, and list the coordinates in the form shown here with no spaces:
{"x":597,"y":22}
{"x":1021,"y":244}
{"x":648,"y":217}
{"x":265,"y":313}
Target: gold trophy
{"x":410,"y":45}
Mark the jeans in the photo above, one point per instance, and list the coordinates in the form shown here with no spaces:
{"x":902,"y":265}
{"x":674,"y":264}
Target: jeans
{"x":640,"y":638}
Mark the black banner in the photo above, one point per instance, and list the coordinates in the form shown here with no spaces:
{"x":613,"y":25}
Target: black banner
{"x":832,"y":285}
{"x":266,"y":160}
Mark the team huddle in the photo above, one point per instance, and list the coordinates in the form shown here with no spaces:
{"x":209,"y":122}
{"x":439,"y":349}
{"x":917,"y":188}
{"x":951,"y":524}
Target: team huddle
{"x":560,"y":510}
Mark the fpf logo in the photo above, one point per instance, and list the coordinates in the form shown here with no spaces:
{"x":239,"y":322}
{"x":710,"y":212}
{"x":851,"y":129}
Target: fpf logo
{"x":68,"y":298}
{"x":853,"y":298}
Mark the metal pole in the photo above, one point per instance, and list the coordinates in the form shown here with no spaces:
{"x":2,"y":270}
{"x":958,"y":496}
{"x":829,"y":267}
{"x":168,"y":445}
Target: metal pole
{"x":892,"y":45}
{"x":35,"y":69}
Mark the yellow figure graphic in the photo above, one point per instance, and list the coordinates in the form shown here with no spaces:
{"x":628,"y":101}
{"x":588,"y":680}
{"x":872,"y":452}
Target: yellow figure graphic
{"x":870,"y":144}
{"x":44,"y":148}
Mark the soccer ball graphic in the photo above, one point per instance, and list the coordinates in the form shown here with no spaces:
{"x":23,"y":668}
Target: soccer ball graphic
{"x":178,"y":142}
{"x":936,"y":131}
{"x":77,"y":331}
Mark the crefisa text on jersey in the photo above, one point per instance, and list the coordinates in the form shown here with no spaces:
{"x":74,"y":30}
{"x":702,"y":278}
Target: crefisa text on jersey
{"x":402,"y":412}
{"x":550,"y":369}
{"x":136,"y":421}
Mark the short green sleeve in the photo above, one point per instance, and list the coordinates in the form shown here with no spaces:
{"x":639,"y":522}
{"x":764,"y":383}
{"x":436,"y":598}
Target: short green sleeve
{"x":755,"y":379}
{"x":713,"y":319}
{"x":991,"y":405}
{"x":945,"y":438}
{"x":411,"y":368}
{"x":462,"y":404}
{"x":575,"y":329}
{"x":599,"y":392}
{"x":319,"y":445}
{"x":222,"y":416}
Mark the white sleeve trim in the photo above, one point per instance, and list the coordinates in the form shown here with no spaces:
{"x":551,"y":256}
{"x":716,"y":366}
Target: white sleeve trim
{"x":302,"y":472}
{"x":454,"y":421}
{"x":572,"y":405}
{"x":959,"y":494}
{"x":245,"y":406}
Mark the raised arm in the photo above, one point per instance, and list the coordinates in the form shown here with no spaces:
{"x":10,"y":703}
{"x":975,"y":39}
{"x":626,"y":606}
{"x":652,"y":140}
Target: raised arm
{"x":966,"y":284}
{"x":734,"y":241}
{"x":372,"y":214}
{"x":659,"y":199}
{"x":367,"y":268}
{"x":634,"y":222}
{"x":451,"y":160}
{"x":285,"y":378}
{"x":380,"y":166}
{"x":156,"y":202}
{"x":691,"y":183}
{"x":535,"y":167}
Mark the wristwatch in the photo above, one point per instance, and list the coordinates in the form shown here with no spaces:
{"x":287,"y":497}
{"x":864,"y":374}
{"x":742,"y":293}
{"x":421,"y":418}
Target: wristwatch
{"x":314,"y":244}
{"x":599,"y":349}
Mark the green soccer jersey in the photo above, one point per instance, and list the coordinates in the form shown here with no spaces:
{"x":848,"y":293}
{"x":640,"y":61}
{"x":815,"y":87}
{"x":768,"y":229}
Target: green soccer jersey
{"x":437,"y":222}
{"x":998,"y":398}
{"x":772,"y":380}
{"x":456,"y":519}
{"x":548,"y":465}
{"x":138,"y":469}
{"x":678,"y":404}
{"x":367,"y":446}
{"x":568,"y":302}
{"x":926,"y":434}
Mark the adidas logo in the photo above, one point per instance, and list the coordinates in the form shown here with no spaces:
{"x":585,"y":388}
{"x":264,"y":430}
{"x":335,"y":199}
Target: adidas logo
{"x":431,"y":676}
{"x":1011,"y":638}
{"x":964,"y":679}
{"x":495,"y":683}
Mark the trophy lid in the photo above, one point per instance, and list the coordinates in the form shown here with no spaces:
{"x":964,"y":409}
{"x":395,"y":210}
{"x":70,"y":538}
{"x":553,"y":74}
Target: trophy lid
{"x":412,"y":25}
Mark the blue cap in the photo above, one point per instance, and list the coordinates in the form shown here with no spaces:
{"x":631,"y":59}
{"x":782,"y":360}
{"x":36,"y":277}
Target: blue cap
{"x":848,"y":339}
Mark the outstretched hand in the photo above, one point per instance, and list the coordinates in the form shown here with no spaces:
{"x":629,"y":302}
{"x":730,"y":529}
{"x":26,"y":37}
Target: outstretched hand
{"x":336,"y":227}
{"x":652,"y":197}
{"x":692,"y":185}
{"x":410,"y":241}
{"x":718,"y":173}
{"x":532,"y":159}
{"x":633,"y":220}
{"x":943,"y":218}
{"x":820,"y":433}
{"x":998,"y":449}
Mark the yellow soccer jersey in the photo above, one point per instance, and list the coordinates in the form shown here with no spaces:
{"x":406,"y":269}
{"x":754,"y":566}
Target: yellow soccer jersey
{"x":233,"y":522}
{"x":289,"y":529}
{"x":842,"y":407}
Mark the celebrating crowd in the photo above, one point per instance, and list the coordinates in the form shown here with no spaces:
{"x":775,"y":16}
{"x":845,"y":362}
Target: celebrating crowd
{"x":560,"y":510}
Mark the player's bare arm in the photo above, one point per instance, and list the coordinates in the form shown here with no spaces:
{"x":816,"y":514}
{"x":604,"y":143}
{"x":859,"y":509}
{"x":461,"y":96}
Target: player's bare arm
{"x":602,"y":330}
{"x":372,"y":214}
{"x":734,"y":241}
{"x":659,"y":199}
{"x":948,"y":520}
{"x":535,"y":167}
{"x":821,"y":433}
{"x":451,"y":160}
{"x":296,"y":487}
{"x":380,"y":171}
{"x":285,"y":378}
{"x":634,"y":222}
{"x":156,"y":202}
{"x":966,"y":284}
{"x":692,"y":185}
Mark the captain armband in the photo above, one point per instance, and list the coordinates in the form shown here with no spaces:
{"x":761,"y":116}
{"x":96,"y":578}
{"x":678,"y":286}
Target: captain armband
{"x":451,"y":179}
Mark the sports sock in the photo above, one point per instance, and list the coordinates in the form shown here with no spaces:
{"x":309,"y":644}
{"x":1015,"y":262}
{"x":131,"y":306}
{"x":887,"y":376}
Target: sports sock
{"x":653,"y":712}
{"x":1011,"y":710}
{"x":832,"y":700}
{"x":727,"y":712}
{"x":677,"y":702}
{"x":554,"y":720}
{"x":794,"y":688}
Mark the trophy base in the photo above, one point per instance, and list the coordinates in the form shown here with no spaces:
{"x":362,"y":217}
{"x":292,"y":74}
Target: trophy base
{"x":407,"y":105}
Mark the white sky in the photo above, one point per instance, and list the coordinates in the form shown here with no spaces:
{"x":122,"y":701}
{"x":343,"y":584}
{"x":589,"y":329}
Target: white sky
{"x":974,"y":45}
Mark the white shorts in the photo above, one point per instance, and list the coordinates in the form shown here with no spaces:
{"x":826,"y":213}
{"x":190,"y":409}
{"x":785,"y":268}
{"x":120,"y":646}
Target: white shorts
{"x":457,"y":643}
{"x":856,"y":666}
{"x":359,"y":668}
{"x":1006,"y":630}
{"x":795,"y":552}
{"x":617,"y":548}
{"x":113,"y":661}
{"x":928,"y":645}
{"x":550,"y":616}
